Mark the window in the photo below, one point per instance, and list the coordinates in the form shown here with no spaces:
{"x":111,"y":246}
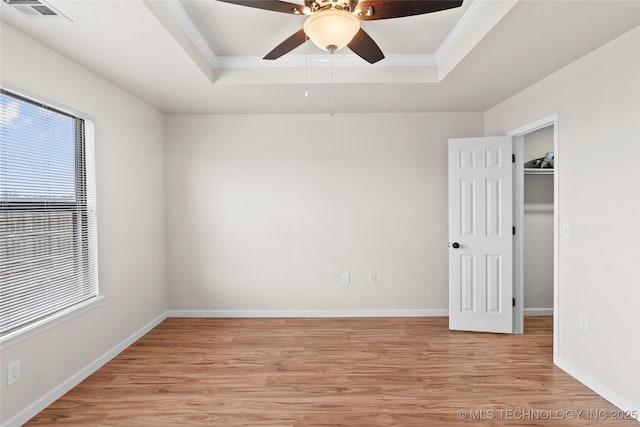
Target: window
{"x":48,"y":255}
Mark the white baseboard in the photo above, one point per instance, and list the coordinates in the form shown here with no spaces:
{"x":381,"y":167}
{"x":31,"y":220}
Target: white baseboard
{"x":427,"y":312}
{"x":309,"y":313}
{"x":538,"y":311}
{"x":602,"y":390}
{"x":36,"y":407}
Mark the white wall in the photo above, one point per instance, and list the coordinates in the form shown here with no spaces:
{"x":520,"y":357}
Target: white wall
{"x":131,"y":238}
{"x":538,"y":224}
{"x":598,"y":101}
{"x":266,"y":211}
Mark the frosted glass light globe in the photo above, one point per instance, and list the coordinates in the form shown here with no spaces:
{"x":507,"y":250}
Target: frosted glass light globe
{"x":331,"y":29}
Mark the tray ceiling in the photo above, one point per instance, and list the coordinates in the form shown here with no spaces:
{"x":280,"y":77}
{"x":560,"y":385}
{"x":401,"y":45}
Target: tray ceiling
{"x":204,"y":56}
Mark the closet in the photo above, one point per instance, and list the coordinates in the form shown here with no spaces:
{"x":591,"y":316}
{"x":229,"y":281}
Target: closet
{"x":538,"y":224}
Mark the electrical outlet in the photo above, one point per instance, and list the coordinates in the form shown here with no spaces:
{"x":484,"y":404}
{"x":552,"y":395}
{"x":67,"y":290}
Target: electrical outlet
{"x":13,"y":372}
{"x":373,"y":278}
{"x":583,"y":322}
{"x":346,"y":278}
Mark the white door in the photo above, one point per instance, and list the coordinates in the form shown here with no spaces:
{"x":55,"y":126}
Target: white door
{"x":480,"y":234}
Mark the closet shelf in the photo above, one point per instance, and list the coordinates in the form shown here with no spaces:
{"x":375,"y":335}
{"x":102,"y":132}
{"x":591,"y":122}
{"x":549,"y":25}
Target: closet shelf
{"x":538,"y":171}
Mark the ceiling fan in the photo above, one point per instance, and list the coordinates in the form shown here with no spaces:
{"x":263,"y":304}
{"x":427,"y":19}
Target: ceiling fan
{"x":334,"y":24}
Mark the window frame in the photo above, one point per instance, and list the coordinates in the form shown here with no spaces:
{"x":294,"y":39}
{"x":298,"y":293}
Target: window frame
{"x":81,"y":206}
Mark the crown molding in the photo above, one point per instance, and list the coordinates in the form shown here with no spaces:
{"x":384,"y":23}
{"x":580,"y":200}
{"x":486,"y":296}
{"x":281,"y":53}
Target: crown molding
{"x":467,"y":20}
{"x":324,"y":60}
{"x":461,"y":28}
{"x":192,"y":31}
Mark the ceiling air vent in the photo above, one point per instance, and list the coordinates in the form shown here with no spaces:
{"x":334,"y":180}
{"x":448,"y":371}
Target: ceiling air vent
{"x":37,"y":9}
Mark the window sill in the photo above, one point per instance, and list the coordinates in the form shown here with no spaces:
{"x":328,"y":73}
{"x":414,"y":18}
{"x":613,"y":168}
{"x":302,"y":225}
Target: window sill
{"x":41,"y":325}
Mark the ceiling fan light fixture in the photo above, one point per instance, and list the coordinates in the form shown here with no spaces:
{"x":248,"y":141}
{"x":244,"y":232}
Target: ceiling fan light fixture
{"x":331,"y":29}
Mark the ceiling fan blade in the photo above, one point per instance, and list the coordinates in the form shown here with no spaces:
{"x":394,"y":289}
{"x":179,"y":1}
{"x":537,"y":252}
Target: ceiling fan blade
{"x":364,"y":46}
{"x":385,"y":9}
{"x":273,"y":5}
{"x":288,"y":45}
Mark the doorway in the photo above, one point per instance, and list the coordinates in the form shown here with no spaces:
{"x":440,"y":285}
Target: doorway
{"x":535,"y":211}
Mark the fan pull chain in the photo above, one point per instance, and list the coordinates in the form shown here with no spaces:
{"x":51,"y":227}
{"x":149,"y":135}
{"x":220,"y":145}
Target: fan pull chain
{"x":306,"y":66}
{"x":333,"y":100}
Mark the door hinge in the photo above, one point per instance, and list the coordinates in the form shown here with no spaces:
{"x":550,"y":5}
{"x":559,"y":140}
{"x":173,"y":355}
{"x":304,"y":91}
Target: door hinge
{"x":513,"y":230}
{"x":513,"y":302}
{"x":513,"y":158}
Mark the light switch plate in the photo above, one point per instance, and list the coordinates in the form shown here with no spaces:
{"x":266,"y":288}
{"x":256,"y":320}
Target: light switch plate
{"x":346,"y":278}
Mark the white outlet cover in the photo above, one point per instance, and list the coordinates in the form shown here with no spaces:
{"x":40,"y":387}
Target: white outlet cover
{"x":13,"y":372}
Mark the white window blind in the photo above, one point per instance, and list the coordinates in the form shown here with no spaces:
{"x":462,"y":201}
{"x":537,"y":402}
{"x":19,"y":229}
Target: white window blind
{"x":48,"y":250}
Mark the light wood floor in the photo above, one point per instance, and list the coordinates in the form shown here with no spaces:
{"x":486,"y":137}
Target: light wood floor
{"x":331,"y":372}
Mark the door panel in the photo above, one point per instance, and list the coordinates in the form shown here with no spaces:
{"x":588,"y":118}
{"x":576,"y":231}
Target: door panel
{"x":494,"y":282}
{"x":493,"y":206}
{"x":480,"y":221}
{"x":468,"y":285}
{"x":467,"y":209}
